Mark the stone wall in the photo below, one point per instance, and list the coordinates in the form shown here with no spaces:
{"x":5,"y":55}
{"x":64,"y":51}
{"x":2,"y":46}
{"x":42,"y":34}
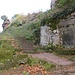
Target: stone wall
{"x":45,"y":37}
{"x":48,"y":36}
{"x":67,"y":30}
{"x":55,"y":37}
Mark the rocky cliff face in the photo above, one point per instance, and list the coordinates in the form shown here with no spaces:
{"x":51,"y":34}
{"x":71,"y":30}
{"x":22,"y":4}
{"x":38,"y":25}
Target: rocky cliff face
{"x":67,"y":30}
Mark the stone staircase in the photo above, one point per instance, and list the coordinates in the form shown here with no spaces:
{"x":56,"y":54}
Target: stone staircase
{"x":25,"y":44}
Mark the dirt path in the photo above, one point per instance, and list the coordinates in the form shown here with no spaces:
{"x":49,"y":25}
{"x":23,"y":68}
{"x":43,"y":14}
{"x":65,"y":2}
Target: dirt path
{"x":53,"y":58}
{"x":67,"y":68}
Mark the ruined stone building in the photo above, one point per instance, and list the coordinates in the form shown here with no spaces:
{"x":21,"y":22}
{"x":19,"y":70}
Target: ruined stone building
{"x":53,"y":3}
{"x":6,"y":21}
{"x":5,"y":24}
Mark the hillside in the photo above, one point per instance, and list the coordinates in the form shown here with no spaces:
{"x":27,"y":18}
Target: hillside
{"x":25,"y":26}
{"x":28,"y":26}
{"x":22,"y":36}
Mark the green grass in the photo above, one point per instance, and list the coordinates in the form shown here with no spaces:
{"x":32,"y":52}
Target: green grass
{"x":9,"y":58}
{"x":6,"y":50}
{"x":65,"y":52}
{"x":69,"y":57}
{"x":47,"y":66}
{"x":41,"y":49}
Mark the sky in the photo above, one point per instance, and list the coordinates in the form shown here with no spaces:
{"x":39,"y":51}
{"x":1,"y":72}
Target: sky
{"x":11,"y":7}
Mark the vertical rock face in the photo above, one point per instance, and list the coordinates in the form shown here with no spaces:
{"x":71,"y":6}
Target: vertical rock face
{"x":53,"y":3}
{"x":67,"y":30}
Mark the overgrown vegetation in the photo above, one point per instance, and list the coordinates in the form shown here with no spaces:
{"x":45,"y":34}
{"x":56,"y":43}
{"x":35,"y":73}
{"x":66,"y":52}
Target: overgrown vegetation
{"x":10,"y":58}
{"x":65,"y":3}
{"x":26,"y":26}
{"x":48,"y":48}
{"x":29,"y":28}
{"x":65,"y":52}
{"x":47,"y":66}
{"x":62,"y":9}
{"x":69,"y":57}
{"x":58,"y":49}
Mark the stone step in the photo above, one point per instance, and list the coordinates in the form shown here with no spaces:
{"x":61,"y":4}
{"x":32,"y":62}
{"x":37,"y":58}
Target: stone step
{"x":71,"y":73}
{"x":25,"y":44}
{"x":28,"y":51}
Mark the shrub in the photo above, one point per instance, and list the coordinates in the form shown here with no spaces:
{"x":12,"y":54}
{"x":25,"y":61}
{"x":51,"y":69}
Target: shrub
{"x":61,"y":50}
{"x":65,"y":52}
{"x":48,"y":48}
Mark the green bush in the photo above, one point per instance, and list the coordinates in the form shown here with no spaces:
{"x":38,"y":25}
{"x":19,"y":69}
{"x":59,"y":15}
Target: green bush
{"x":60,"y":50}
{"x":65,"y":52}
{"x":48,"y":48}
